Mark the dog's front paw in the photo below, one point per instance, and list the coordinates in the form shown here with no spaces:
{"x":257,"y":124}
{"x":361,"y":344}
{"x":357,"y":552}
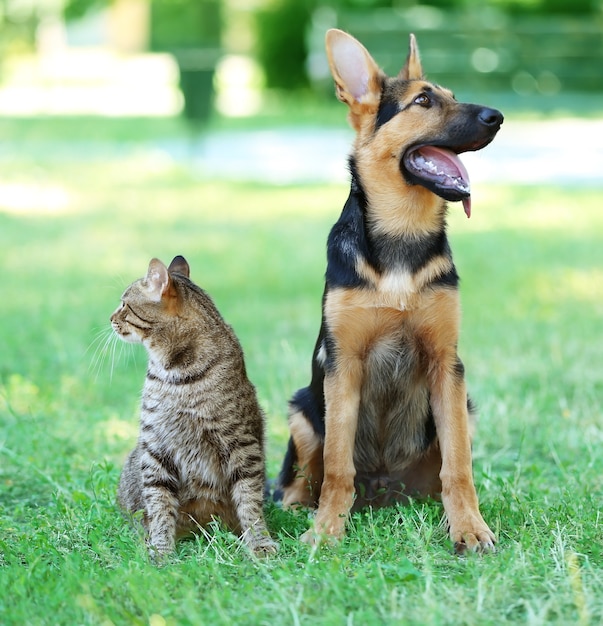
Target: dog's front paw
{"x":315,"y":539}
{"x":325,"y":531}
{"x":472,"y":537}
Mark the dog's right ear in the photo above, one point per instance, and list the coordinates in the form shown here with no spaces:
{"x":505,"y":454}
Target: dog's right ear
{"x":412,"y":69}
{"x":358,"y":79}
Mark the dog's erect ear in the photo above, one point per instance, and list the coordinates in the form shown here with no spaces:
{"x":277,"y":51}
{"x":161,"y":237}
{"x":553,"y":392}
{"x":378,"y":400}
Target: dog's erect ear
{"x":412,"y":69}
{"x":358,"y":79}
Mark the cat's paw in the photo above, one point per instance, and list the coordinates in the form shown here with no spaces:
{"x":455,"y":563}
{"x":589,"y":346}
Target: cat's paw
{"x":265,"y":548}
{"x":159,"y":555}
{"x":262,"y":545}
{"x":260,"y":542}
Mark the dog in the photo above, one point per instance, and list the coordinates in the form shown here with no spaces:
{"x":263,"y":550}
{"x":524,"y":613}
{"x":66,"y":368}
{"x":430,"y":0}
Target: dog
{"x":386,"y":415}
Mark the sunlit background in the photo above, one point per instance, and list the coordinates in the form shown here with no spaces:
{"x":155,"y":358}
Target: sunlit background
{"x":132,"y":129}
{"x":124,"y":57}
{"x":211,"y":61}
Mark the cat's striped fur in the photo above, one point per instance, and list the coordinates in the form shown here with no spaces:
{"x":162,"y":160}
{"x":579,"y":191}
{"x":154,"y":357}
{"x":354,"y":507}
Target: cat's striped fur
{"x":200,"y":451}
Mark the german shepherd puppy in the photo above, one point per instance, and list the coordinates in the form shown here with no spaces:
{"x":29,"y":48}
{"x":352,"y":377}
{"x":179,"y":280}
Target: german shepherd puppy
{"x":386,"y":414}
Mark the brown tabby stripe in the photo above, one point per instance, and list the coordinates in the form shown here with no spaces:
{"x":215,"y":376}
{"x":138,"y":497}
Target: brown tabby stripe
{"x":184,"y":380}
{"x":168,"y":485}
{"x":163,"y":460}
{"x":142,"y":319}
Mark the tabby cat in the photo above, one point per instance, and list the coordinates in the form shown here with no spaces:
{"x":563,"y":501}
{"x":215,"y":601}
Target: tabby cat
{"x":200,"y":451}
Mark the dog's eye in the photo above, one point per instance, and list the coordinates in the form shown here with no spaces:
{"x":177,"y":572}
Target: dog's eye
{"x":422,"y":100}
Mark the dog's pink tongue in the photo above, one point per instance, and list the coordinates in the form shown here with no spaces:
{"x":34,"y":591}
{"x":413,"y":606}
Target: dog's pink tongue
{"x":467,"y":205}
{"x":447,"y":164}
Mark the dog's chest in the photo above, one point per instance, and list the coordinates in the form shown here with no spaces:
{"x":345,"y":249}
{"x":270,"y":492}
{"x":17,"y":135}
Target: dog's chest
{"x":394,"y":403}
{"x":399,"y":286}
{"x":396,"y":289}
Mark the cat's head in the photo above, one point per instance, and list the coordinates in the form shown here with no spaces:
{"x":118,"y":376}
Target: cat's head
{"x":150,"y":302}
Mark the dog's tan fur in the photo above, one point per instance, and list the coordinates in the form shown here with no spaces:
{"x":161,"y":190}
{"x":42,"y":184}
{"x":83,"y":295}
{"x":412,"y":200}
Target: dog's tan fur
{"x":395,"y":305}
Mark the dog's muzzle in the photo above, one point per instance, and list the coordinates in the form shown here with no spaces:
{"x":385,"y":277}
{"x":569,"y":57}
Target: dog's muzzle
{"x":434,"y":163}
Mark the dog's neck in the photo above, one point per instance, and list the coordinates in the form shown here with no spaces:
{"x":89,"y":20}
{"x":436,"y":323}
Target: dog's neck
{"x":396,"y":248}
{"x":396,"y":209}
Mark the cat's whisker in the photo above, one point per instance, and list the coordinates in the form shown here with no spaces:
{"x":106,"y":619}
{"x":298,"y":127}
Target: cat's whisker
{"x":102,"y":343}
{"x":99,"y":335}
{"x":131,"y":353}
{"x":116,"y":342}
{"x":107,"y":347}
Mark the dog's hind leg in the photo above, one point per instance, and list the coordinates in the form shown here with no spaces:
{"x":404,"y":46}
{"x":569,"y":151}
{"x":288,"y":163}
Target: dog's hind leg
{"x":422,"y":478}
{"x":302,"y":473}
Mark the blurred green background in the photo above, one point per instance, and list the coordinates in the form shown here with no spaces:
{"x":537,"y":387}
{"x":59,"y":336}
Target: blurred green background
{"x":538,"y":53}
{"x":139,"y":128}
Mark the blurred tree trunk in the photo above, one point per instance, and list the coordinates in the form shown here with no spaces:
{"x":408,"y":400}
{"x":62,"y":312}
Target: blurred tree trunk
{"x":281,"y":48}
{"x":191,"y":31}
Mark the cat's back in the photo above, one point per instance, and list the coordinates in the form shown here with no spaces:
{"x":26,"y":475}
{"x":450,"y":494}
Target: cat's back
{"x":199,"y":381}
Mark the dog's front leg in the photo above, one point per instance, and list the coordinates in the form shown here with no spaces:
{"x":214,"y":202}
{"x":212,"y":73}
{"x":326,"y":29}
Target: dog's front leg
{"x":468,"y":530}
{"x":342,"y":399}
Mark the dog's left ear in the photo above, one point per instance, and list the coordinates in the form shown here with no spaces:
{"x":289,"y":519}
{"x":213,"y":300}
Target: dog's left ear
{"x":412,"y":69}
{"x":358,"y":79}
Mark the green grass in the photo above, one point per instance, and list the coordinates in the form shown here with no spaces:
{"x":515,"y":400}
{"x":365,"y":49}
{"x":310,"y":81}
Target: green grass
{"x":531,"y":261}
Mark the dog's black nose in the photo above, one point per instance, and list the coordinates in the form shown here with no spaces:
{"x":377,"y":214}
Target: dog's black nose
{"x":490,"y":117}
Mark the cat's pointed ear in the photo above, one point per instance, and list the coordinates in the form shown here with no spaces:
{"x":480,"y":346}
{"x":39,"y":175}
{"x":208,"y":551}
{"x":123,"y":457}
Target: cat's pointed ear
{"x":412,"y":69}
{"x":358,"y":79}
{"x":158,"y":280}
{"x":180,"y":266}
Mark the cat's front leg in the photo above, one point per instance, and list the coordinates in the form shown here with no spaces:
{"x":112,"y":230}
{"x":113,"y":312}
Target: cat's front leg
{"x":248,"y":497}
{"x":159,"y":480}
{"x":257,"y":538}
{"x":161,"y":508}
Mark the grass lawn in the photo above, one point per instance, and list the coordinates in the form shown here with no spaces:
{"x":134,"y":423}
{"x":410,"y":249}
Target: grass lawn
{"x":74,"y":234}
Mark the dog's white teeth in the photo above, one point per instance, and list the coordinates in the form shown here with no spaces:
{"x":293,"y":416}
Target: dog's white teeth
{"x":429,"y":166}
{"x":445,"y":177}
{"x":433,"y":168}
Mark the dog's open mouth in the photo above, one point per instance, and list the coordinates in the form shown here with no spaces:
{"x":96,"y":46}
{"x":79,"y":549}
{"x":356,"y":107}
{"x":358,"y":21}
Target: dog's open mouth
{"x":441,"y":171}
